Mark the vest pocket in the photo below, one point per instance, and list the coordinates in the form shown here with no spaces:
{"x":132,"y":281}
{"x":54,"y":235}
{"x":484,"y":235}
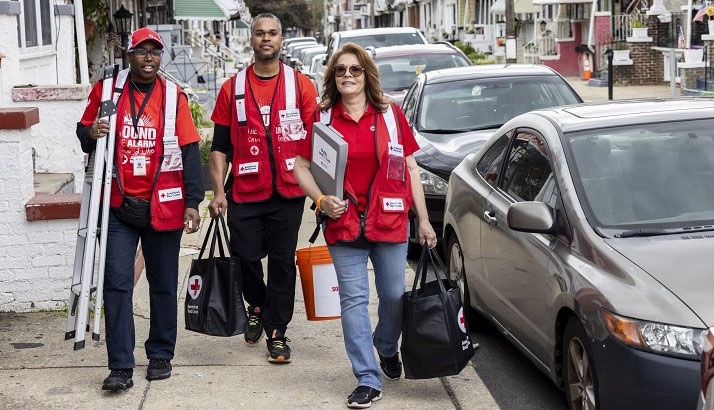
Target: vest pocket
{"x":287,"y":164}
{"x":392,"y":212}
{"x":251,"y":176}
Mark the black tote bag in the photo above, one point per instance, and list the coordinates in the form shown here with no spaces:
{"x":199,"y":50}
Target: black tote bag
{"x":435,"y":339}
{"x":214,"y":297}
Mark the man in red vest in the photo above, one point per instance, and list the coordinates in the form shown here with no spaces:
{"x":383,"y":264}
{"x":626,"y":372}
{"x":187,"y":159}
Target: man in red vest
{"x":155,"y":193}
{"x":259,"y":117}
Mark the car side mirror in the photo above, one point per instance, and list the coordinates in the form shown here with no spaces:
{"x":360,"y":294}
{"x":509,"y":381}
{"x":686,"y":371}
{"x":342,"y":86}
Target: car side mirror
{"x":324,"y":61}
{"x":534,"y":217}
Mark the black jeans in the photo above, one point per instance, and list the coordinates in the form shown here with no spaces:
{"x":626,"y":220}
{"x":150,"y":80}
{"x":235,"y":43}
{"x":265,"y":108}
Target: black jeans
{"x":161,"y":252}
{"x":269,"y":228}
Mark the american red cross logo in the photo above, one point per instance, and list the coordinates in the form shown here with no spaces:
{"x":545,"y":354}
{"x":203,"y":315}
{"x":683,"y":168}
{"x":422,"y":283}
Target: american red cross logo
{"x":163,"y":195}
{"x":195,"y":283}
{"x":462,"y":320}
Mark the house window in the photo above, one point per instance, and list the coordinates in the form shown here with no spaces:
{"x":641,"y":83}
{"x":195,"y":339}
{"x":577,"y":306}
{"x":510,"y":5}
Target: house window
{"x":35,"y":23}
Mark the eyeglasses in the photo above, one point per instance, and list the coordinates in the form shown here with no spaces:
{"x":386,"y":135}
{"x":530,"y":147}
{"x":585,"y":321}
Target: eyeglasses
{"x":355,"y":70}
{"x":142,"y":52}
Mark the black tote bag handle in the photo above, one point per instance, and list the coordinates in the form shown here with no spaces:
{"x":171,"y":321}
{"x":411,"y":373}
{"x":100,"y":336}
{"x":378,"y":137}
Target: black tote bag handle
{"x":428,"y":255}
{"x":213,"y":225}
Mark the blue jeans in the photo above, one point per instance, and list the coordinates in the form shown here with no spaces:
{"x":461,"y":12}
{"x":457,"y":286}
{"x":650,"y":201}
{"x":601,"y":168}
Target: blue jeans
{"x":389,"y":262}
{"x":161,"y":250}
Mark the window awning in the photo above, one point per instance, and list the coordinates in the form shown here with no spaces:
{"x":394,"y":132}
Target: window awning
{"x":519,"y":7}
{"x":241,"y":24}
{"x":210,"y":10}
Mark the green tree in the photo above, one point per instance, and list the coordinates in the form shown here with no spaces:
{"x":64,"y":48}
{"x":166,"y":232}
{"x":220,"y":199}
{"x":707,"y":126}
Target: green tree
{"x":292,"y":13}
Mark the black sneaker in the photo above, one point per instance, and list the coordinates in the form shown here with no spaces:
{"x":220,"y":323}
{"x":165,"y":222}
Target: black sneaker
{"x":363,"y":397}
{"x":278,"y":349}
{"x":391,"y":366}
{"x":118,"y":380}
{"x":158,"y":369}
{"x":255,"y":326}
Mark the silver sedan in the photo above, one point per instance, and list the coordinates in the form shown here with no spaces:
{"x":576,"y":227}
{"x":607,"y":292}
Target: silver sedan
{"x":586,"y":234}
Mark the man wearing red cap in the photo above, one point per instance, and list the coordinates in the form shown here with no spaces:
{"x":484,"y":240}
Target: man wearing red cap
{"x":155,"y":193}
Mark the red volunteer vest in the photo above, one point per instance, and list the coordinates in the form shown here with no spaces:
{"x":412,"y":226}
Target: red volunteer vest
{"x":386,"y":217}
{"x":168,"y":204}
{"x":264,"y":156}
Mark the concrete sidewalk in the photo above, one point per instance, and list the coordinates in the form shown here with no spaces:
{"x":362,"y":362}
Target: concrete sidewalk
{"x":39,"y":369}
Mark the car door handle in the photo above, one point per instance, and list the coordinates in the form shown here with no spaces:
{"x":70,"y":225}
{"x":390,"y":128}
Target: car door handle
{"x":490,"y":217}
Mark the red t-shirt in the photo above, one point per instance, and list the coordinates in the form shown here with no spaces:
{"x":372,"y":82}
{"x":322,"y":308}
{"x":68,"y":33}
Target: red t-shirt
{"x":132,"y":144}
{"x":263,"y":91}
{"x":362,"y":162}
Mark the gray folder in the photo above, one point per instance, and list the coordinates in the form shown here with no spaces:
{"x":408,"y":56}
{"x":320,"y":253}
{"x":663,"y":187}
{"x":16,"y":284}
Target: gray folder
{"x":329,"y":159}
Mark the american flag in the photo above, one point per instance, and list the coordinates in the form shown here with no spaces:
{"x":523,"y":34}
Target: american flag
{"x":681,"y":41}
{"x":701,"y":13}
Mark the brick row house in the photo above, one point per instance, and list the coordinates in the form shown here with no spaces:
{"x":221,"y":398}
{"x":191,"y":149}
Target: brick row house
{"x":557,"y":33}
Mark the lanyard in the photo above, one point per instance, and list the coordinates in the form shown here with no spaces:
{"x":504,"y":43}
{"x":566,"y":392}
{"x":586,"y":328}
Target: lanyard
{"x":272,"y":101}
{"x":135,"y":117}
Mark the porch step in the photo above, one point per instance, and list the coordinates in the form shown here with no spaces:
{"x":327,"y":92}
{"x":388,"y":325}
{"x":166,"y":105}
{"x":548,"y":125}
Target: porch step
{"x":599,"y":82}
{"x":53,"y":183}
{"x":54,"y":198}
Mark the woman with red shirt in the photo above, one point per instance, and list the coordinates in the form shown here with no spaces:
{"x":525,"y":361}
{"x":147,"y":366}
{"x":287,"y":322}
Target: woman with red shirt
{"x":381,"y":184}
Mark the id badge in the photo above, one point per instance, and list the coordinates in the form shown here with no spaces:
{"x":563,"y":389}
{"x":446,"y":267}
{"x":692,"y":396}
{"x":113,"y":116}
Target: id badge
{"x":139,"y":162}
{"x":396,"y":167}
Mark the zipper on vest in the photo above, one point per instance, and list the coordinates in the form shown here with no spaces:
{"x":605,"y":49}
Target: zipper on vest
{"x":271,"y":158}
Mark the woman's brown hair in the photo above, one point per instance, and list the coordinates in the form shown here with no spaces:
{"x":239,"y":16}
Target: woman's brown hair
{"x":372,"y":87}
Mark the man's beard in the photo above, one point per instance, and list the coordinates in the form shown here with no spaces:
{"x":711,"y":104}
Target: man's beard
{"x":266,"y":57}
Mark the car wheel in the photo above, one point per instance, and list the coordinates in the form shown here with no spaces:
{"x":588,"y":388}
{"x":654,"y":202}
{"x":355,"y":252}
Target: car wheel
{"x":578,"y":372}
{"x":457,"y":273}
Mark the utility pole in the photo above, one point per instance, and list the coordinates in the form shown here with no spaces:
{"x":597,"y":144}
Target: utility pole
{"x":371,"y":13}
{"x":510,"y":32}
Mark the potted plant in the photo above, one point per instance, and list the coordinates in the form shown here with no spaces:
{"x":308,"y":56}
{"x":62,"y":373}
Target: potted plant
{"x":639,"y":28}
{"x":693,"y":55}
{"x":621,"y":54}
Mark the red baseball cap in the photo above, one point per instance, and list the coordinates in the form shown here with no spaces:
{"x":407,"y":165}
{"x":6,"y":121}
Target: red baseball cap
{"x":144,"y":34}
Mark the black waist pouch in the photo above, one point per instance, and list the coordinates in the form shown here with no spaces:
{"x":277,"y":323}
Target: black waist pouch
{"x":134,"y":212}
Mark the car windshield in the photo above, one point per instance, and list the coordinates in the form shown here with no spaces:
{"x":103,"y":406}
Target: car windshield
{"x":486,"y":103}
{"x":645,"y":180}
{"x":383,"y":40}
{"x":398,"y":73}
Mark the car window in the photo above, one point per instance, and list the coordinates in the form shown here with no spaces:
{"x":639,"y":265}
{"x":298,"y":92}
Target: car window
{"x":651,"y":176}
{"x":490,"y":163}
{"x":528,"y":175}
{"x":398,"y":73}
{"x":383,"y":40}
{"x":410,"y":101}
{"x":484,"y":103}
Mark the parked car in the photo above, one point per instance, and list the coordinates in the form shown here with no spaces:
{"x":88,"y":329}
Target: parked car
{"x":706,"y":395}
{"x":584,"y":233}
{"x":294,"y":40}
{"x":293,"y":52}
{"x":452,"y":112}
{"x":399,"y":65}
{"x":315,"y":72}
{"x":372,"y":37}
{"x":305,"y":58}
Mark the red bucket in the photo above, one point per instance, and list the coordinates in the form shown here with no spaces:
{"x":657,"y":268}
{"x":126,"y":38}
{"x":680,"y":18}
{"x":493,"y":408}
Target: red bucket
{"x":319,"y":283}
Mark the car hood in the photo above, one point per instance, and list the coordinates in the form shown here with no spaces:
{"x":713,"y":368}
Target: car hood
{"x":683,"y":264}
{"x":445,"y":156}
